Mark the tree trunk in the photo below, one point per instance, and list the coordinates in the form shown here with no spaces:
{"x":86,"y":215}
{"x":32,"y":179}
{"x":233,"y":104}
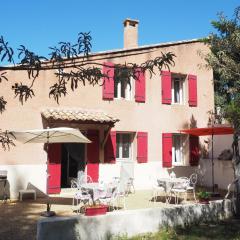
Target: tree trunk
{"x":236,"y":168}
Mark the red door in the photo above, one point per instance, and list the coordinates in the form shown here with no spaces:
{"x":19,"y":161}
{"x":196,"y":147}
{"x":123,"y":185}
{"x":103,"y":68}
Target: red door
{"x":54,"y":168}
{"x":93,"y":155}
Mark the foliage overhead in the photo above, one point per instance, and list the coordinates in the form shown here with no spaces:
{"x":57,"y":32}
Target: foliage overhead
{"x":73,"y":67}
{"x":224,"y":58}
{"x":67,"y":56}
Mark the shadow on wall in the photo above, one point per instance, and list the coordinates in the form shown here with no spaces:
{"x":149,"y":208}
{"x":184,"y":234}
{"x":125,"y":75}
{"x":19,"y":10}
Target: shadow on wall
{"x":192,"y":123}
{"x":15,"y":182}
{"x":39,"y":193}
{"x":19,"y":182}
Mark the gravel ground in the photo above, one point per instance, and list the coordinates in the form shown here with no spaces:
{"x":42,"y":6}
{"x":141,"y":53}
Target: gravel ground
{"x":18,"y":220}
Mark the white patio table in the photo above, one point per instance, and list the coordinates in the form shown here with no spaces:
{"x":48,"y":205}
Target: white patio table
{"x":169,"y":183}
{"x":97,"y":190}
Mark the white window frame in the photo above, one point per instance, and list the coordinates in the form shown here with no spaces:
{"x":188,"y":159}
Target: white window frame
{"x":182,"y":81}
{"x":180,"y":150}
{"x":120,"y":158}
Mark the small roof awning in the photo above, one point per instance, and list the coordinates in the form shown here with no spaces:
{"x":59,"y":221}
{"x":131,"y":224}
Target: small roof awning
{"x":78,"y":115}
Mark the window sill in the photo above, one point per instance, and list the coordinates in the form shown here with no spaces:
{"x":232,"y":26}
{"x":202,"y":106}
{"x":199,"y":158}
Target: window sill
{"x":122,"y":99}
{"x":178,"y":104}
{"x":125,"y":160}
{"x":178,"y":164}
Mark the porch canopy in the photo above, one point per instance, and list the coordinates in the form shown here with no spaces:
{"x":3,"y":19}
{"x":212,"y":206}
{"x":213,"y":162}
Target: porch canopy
{"x":211,"y":131}
{"x":64,"y":116}
{"x":87,"y":116}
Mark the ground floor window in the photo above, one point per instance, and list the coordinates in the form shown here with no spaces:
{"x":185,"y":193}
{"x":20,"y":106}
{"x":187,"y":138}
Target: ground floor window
{"x":177,"y":150}
{"x":124,"y":146}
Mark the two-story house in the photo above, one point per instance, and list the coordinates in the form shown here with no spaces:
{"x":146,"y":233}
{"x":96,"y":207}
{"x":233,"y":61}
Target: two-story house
{"x":134,"y":129}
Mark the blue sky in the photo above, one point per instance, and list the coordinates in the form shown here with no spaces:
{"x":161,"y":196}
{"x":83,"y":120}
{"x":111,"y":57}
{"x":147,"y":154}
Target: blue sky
{"x":40,"y":24}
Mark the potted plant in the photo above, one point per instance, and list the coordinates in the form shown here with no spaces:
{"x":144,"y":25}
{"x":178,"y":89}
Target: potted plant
{"x":96,"y":209}
{"x":203,"y":197}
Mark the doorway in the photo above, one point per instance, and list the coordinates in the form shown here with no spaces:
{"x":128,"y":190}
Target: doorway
{"x":73,"y":160}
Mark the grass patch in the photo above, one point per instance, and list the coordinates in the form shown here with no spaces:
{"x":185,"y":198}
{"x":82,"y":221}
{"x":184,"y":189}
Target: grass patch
{"x":224,"y":230}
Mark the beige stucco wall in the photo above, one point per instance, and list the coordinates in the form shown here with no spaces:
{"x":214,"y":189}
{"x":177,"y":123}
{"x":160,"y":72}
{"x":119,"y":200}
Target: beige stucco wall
{"x":152,"y":116}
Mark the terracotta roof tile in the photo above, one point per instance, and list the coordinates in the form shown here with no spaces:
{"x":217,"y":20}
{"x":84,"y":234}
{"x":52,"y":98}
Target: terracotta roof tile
{"x":78,"y":115}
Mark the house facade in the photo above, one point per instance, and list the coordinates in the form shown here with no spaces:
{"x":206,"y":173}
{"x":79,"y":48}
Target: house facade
{"x":134,"y":129}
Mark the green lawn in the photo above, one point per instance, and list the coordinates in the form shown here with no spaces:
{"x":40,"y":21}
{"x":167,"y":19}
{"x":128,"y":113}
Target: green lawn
{"x":224,"y":230}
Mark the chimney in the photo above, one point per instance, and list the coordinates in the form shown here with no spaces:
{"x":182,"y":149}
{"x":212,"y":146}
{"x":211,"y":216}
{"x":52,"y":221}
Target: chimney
{"x":130,"y":33}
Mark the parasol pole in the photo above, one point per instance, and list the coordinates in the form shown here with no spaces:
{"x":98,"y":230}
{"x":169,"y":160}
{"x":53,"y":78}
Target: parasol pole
{"x":48,"y":213}
{"x":212,"y":123}
{"x":212,"y":167}
{"x":48,"y":202}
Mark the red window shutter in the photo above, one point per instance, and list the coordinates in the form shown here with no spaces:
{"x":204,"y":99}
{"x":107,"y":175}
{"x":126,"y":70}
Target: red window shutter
{"x":192,"y":90}
{"x":93,"y":155}
{"x":140,"y":83}
{"x":166,"y":87}
{"x":54,"y":168}
{"x":194,"y":150}
{"x":110,"y":148}
{"x":167,"y":150}
{"x":108,"y":82}
{"x":142,"y":147}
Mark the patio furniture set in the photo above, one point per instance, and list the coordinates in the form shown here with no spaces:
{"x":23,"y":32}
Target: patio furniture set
{"x":174,"y":187}
{"x":90,"y":194}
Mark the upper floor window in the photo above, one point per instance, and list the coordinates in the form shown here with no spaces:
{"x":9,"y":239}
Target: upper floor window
{"x":118,"y":85}
{"x":174,"y":87}
{"x":177,"y":149}
{"x":178,"y":88}
{"x":122,"y":88}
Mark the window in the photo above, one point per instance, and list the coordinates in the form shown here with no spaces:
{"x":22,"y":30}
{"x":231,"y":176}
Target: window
{"x":177,"y":150}
{"x":178,"y":88}
{"x":122,"y":89}
{"x":124,"y":148}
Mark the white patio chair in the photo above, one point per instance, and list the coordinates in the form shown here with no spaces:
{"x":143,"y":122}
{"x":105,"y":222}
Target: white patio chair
{"x":74,"y":184}
{"x":81,"y":179}
{"x":172,"y":174}
{"x":116,"y":180}
{"x":130,"y":186}
{"x":121,"y":196}
{"x":180,"y":188}
{"x":81,"y":197}
{"x":157,"y":190}
{"x":84,"y":179}
{"x":88,"y":179}
{"x":111,"y":199}
{"x":80,"y":174}
{"x":192,"y":185}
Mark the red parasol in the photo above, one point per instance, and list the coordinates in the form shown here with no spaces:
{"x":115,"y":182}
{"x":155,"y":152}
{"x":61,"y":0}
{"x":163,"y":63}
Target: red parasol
{"x":213,"y":130}
{"x":208,"y":131}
